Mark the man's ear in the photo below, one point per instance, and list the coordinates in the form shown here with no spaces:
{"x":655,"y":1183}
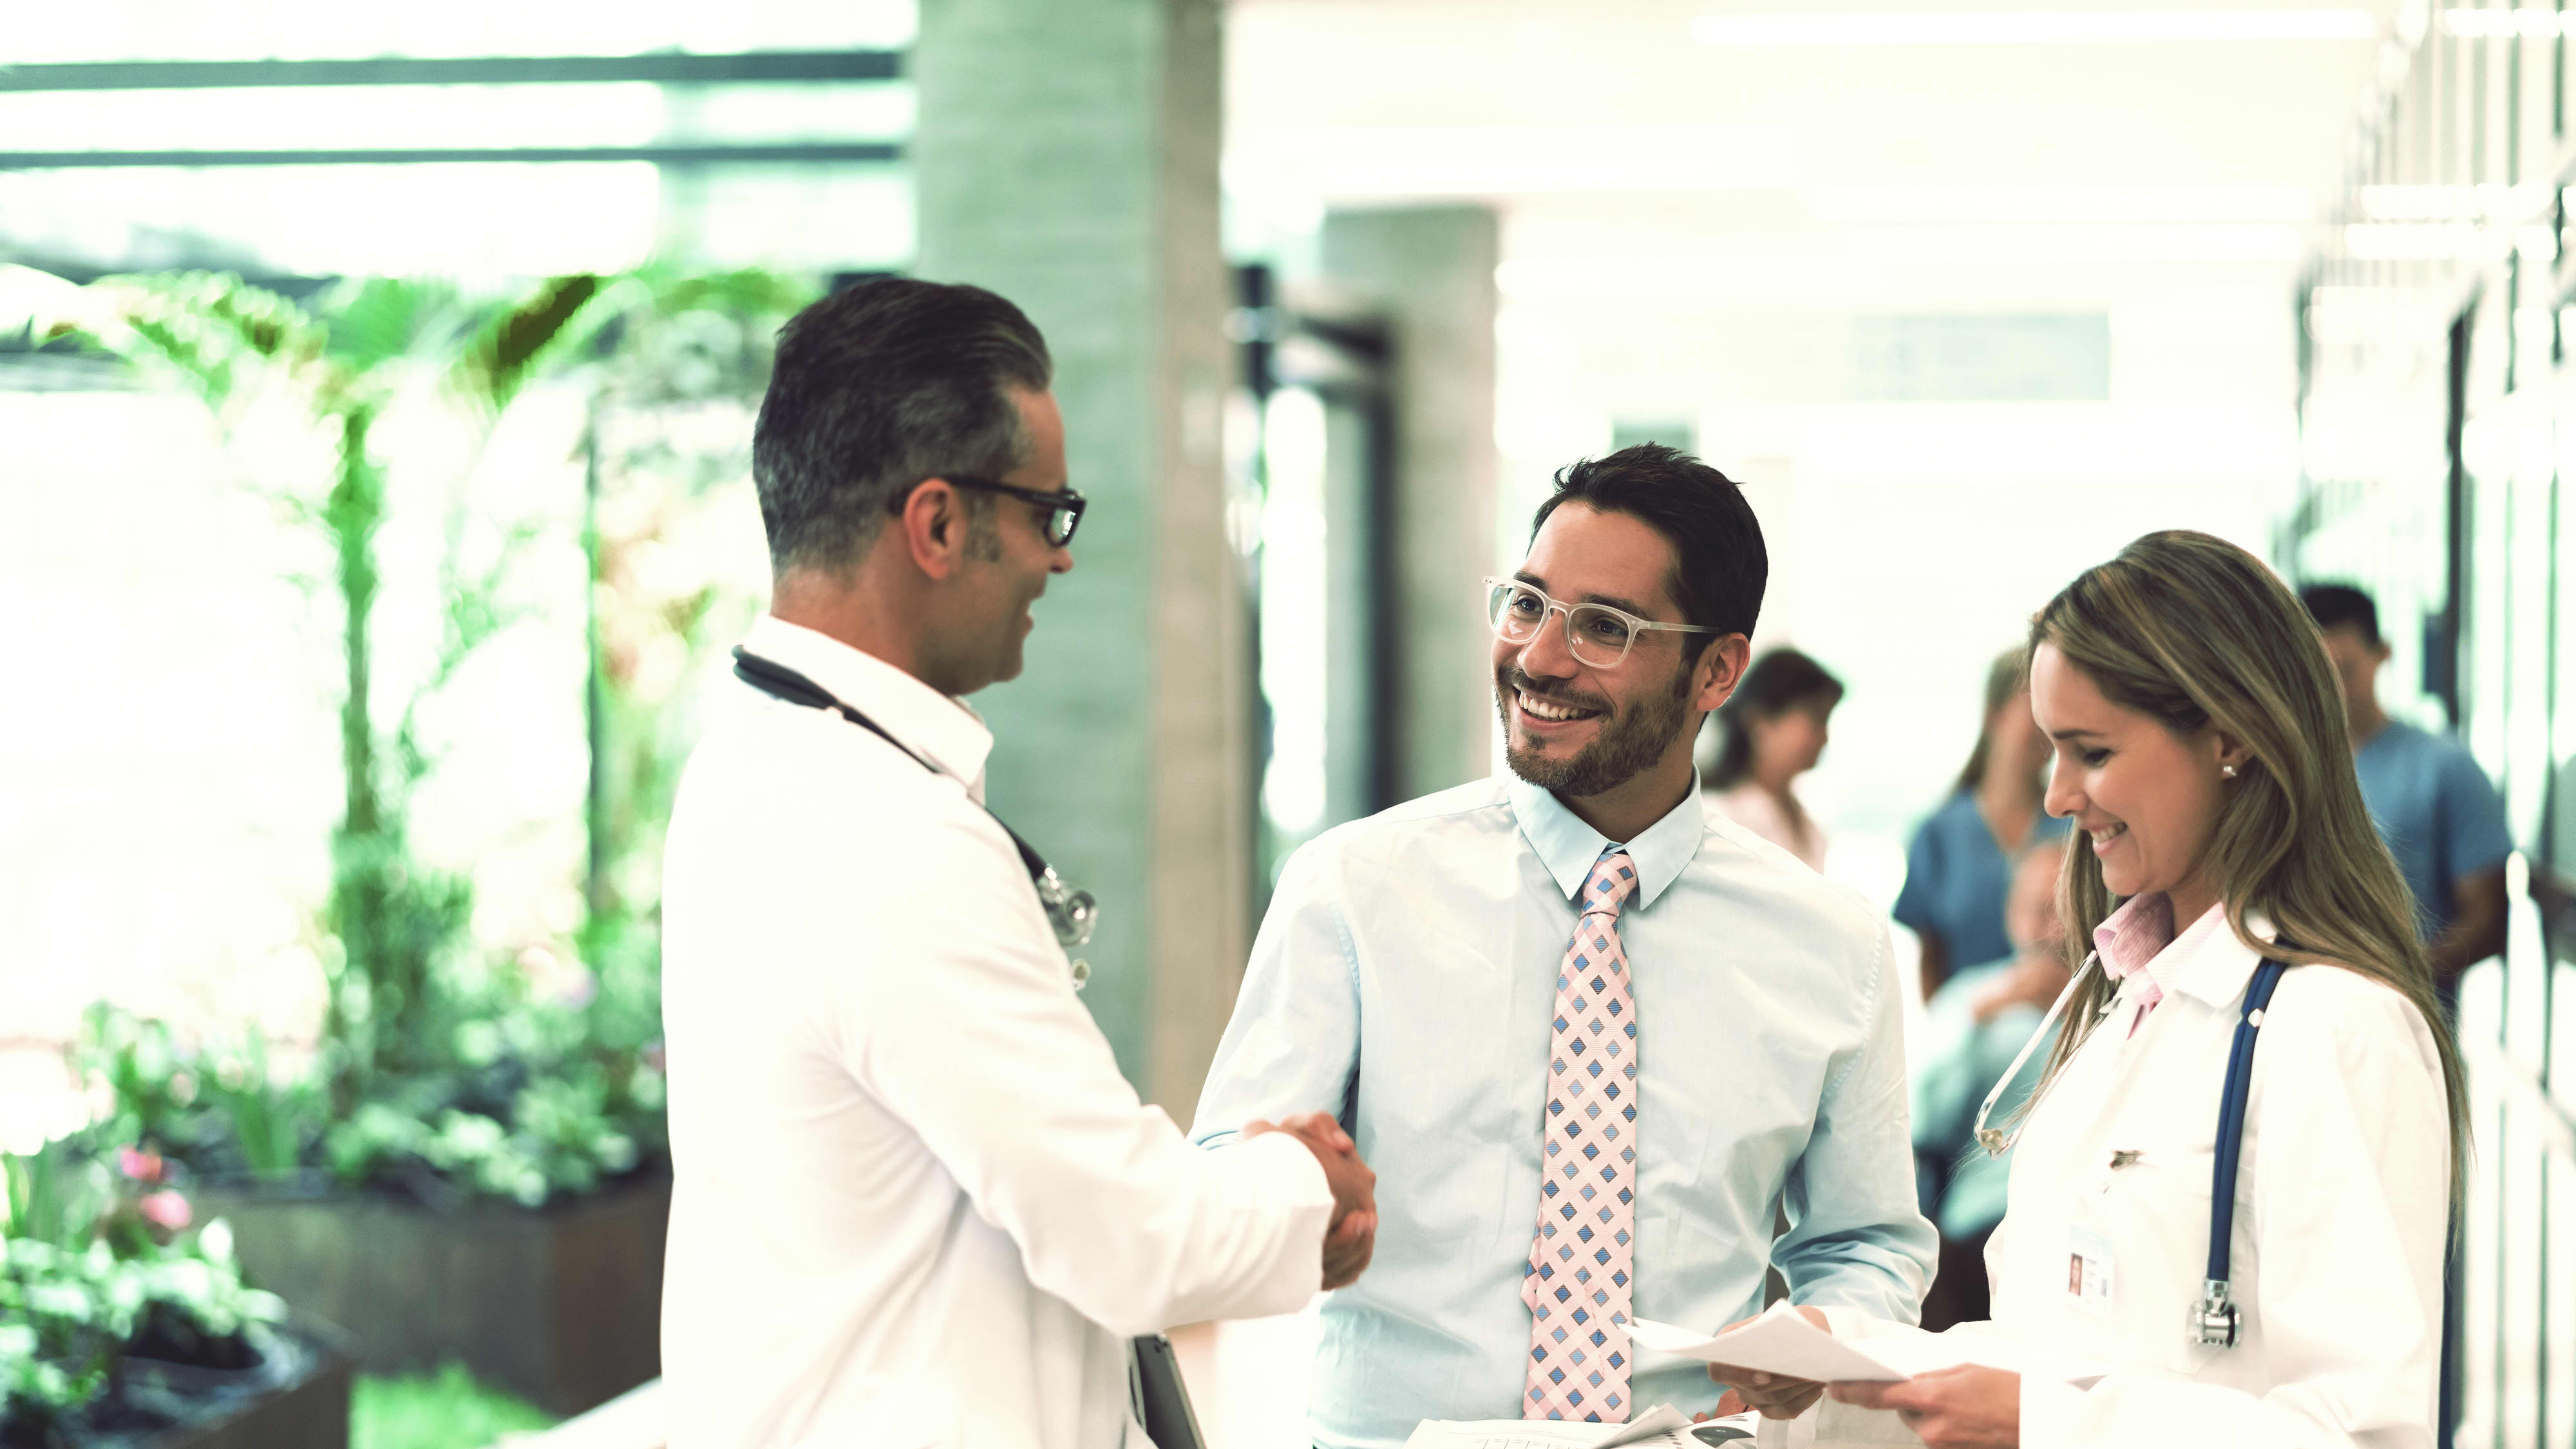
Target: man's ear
{"x":934,"y":527}
{"x":1721,"y":667}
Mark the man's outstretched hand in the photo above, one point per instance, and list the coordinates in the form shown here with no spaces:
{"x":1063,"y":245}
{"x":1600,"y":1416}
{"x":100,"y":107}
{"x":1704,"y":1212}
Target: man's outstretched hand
{"x":1777,"y":1395}
{"x":1352,"y":1237}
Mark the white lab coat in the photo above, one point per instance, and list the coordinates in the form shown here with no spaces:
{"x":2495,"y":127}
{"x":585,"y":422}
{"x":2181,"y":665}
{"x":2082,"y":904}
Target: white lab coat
{"x":2342,"y":1198}
{"x":916,"y":1205}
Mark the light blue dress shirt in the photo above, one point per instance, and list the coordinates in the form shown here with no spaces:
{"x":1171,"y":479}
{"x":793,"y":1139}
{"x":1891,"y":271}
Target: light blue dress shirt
{"x":1404,"y":980}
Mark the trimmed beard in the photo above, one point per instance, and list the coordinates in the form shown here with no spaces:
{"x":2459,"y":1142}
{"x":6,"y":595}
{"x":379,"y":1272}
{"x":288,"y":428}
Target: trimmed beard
{"x":1626,"y":745}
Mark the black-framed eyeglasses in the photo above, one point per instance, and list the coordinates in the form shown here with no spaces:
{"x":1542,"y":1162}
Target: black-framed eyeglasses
{"x":1064,"y":509}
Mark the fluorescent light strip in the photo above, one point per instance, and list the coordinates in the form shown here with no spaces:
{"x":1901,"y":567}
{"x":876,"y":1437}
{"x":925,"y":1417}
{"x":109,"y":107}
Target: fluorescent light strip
{"x":2534,"y":24}
{"x":2034,"y":27}
{"x":2425,"y":242}
{"x":2492,"y":201}
{"x":1866,"y":256}
{"x":1864,"y":205}
{"x":1595,"y":279}
{"x":2447,"y":241}
{"x":1341,"y":161}
{"x":2077,"y":242}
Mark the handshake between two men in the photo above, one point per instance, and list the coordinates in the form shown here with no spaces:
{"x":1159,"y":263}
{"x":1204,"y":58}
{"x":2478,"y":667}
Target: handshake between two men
{"x":883,"y":1016}
{"x":1352,"y":1235}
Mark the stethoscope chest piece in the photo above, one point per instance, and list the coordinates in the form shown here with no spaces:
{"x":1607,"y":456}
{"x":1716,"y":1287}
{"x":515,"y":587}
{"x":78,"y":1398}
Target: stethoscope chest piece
{"x":1071,"y":912}
{"x":2212,"y":1323}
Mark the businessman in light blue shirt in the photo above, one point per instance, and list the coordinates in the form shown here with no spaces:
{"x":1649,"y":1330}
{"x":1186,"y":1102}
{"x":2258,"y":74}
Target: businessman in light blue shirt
{"x":1414,"y":976}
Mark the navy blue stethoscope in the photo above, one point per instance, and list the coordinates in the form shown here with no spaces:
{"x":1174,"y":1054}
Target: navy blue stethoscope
{"x":2213,"y":1322}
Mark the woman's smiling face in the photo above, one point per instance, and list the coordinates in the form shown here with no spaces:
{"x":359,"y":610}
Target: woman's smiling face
{"x":2145,"y":797}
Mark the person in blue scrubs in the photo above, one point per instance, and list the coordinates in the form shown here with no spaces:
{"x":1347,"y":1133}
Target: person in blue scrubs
{"x":2441,"y":817}
{"x":1957,"y":866}
{"x":2444,"y":822}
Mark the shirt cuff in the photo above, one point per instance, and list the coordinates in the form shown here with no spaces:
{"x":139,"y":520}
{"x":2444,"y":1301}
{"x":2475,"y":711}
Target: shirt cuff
{"x":2049,"y":1411}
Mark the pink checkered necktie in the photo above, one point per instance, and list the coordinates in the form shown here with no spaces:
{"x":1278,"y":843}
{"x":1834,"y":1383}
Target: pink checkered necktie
{"x":1577,"y":1286}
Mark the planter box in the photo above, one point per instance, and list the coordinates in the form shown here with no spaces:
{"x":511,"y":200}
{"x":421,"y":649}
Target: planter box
{"x":296,"y":1398}
{"x":562,"y":1306}
{"x":310,"y":1410}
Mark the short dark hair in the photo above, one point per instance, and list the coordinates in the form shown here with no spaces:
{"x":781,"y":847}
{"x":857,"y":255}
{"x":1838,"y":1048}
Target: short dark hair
{"x":2335,"y":606}
{"x":1719,"y":564}
{"x":877,"y":387}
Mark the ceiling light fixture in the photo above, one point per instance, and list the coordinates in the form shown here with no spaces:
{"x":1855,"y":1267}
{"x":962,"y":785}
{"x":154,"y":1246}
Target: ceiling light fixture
{"x":2506,"y":24}
{"x":2037,"y":27}
{"x":2487,"y":201}
{"x":1862,"y":205}
{"x":2428,"y":241}
{"x":1861,"y":258}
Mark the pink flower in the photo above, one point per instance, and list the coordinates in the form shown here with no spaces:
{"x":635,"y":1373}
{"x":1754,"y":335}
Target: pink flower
{"x":165,"y":1209}
{"x":138,"y":1165}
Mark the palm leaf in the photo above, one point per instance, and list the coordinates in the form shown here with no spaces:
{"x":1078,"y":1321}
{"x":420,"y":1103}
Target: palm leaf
{"x":556,"y":324}
{"x":212,"y":333}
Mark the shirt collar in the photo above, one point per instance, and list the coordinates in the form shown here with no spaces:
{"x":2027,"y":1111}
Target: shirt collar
{"x":2132,"y":935}
{"x":945,"y":731}
{"x":2210,"y":963}
{"x":1568,"y":847}
{"x":2205,"y":960}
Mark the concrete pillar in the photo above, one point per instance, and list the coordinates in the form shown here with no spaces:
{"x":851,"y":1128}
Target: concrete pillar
{"x":1066,"y":157}
{"x":1430,"y":270}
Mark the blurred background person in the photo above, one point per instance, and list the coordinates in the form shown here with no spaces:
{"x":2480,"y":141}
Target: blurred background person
{"x":2444,"y":823}
{"x":1977,"y":1021}
{"x":1769,"y":734}
{"x":2441,"y":817}
{"x":1957,"y":863}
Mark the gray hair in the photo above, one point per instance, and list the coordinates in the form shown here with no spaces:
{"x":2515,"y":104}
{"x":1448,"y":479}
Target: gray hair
{"x":875,"y":389}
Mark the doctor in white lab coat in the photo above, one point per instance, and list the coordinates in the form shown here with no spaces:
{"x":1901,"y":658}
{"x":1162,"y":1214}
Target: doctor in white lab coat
{"x":2200,"y":748}
{"x":915,"y":1205}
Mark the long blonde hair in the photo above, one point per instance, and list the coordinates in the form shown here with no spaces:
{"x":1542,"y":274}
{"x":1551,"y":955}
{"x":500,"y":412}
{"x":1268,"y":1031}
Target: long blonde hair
{"x":2193,"y":631}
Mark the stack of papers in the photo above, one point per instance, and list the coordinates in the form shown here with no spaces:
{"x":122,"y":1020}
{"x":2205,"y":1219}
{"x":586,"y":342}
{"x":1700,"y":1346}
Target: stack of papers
{"x":1661,"y":1427}
{"x":1783,"y":1342}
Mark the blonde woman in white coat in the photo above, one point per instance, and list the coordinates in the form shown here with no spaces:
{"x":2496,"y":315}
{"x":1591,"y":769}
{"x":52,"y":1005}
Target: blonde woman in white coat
{"x":2200,"y":749}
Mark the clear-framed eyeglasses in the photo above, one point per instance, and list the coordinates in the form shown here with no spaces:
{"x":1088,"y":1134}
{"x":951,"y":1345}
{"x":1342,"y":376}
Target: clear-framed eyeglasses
{"x":1596,"y":634}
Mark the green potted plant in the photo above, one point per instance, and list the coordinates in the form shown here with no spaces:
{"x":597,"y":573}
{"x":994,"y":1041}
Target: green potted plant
{"x":464,"y":1169}
{"x":122,"y":1323}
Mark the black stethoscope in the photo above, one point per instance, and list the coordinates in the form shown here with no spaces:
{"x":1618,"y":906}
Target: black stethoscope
{"x":1070,"y":911}
{"x":2213,"y":1321}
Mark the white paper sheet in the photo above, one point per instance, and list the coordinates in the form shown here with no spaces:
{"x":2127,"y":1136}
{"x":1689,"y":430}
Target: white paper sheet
{"x":1661,"y":1427}
{"x":1782,"y":1341}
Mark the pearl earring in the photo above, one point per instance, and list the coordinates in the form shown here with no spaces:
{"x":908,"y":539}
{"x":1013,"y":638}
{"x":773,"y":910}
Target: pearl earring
{"x":2228,"y":770}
